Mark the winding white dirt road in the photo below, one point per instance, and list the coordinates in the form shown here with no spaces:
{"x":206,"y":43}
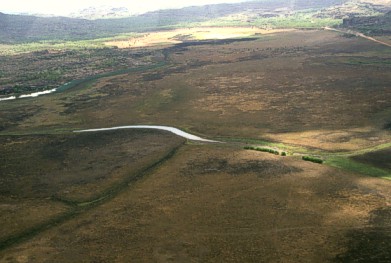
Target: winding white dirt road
{"x":164,"y":128}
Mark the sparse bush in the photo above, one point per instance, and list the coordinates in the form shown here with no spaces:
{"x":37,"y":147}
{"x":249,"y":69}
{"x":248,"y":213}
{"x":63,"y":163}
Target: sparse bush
{"x":312,"y":159}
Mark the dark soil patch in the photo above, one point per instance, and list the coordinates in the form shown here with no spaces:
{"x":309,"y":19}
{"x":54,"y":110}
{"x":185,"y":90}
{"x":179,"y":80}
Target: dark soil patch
{"x":368,"y":245}
{"x":380,"y":159}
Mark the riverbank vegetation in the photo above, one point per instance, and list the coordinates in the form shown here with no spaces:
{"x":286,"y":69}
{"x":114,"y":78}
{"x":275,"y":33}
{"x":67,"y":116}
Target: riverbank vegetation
{"x":59,"y":66}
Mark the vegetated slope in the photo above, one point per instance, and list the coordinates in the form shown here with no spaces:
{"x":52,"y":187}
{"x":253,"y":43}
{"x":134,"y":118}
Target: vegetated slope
{"x":21,"y":28}
{"x":373,"y":25}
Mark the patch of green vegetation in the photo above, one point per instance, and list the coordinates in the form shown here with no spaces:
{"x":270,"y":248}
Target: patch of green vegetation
{"x":261,"y":149}
{"x":14,"y":49}
{"x":348,"y":164}
{"x":312,"y":159}
{"x":303,"y":19}
{"x":281,"y":146}
{"x":8,"y":50}
{"x":367,"y":150}
{"x":297,"y":20}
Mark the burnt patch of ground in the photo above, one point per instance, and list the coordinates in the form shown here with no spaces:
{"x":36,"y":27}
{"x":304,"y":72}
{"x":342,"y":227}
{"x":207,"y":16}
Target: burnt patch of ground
{"x":11,"y":117}
{"x":76,"y":166}
{"x":368,"y":245}
{"x":372,"y":243}
{"x":79,"y":103}
{"x":380,"y":159}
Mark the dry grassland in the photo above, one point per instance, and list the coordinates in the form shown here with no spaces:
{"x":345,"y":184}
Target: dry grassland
{"x":218,"y":203}
{"x":311,"y":88}
{"x":198,"y":33}
{"x":143,"y":196}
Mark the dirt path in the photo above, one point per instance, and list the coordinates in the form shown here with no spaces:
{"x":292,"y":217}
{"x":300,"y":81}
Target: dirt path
{"x":155,"y":127}
{"x":358,"y":34}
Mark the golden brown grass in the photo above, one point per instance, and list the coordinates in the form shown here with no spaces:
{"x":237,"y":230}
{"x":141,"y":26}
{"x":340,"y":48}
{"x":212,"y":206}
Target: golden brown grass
{"x":218,"y":203}
{"x":195,"y":33}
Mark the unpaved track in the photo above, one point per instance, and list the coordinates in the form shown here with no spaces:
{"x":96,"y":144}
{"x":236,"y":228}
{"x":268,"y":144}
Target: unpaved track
{"x":358,"y":34}
{"x":155,"y":127}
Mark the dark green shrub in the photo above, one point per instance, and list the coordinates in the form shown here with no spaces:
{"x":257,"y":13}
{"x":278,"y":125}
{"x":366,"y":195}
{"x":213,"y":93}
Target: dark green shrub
{"x":283,"y":154}
{"x":249,"y":148}
{"x":312,"y":159}
{"x":262,"y":149}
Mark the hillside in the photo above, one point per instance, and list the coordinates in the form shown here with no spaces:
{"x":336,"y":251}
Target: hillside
{"x":372,"y":25}
{"x":102,"y":12}
{"x":21,"y":28}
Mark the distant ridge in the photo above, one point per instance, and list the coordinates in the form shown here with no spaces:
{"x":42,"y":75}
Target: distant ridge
{"x":101,"y":12}
{"x":23,"y":28}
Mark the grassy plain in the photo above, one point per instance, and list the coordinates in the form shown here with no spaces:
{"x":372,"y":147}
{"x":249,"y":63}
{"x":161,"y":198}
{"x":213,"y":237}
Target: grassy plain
{"x":305,"y":92}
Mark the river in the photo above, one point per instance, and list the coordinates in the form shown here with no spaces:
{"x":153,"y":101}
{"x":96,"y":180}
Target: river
{"x":77,"y":82}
